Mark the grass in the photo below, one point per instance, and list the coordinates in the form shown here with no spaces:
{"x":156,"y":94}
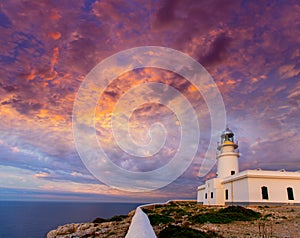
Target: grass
{"x":174,"y":211}
{"x":156,"y":219}
{"x":175,"y":220}
{"x":183,"y":232}
{"x":164,"y":214}
{"x":226,"y":215}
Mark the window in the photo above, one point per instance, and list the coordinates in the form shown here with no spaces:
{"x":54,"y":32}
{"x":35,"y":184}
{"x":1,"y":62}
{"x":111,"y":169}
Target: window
{"x":290,"y":193}
{"x":264,"y":192}
{"x":232,"y":172}
{"x":205,"y":195}
{"x":226,"y":194}
{"x":211,"y":195}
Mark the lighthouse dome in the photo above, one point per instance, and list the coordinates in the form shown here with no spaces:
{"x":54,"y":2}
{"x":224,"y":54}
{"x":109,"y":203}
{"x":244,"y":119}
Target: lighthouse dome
{"x":227,"y":136}
{"x":227,"y":132}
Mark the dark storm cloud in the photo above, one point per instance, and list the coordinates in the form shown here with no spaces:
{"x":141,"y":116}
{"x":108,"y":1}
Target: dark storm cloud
{"x":188,"y":19}
{"x":4,"y":20}
{"x":166,"y":13}
{"x":27,"y":43}
{"x":217,"y":51}
{"x":7,"y":59}
{"x":25,"y":107}
{"x":10,"y":88}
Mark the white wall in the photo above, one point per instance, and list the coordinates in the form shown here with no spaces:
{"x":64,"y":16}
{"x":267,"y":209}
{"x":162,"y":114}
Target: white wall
{"x":212,"y":186}
{"x":227,"y":160}
{"x":240,"y":190}
{"x":245,"y":188}
{"x":200,"y":195}
{"x":277,"y":190}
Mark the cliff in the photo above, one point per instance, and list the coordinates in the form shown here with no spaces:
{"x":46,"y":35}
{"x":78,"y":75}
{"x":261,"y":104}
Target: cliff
{"x":188,"y":219}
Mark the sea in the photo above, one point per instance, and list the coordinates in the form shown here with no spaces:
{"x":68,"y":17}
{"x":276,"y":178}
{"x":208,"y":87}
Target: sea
{"x":20,"y":219}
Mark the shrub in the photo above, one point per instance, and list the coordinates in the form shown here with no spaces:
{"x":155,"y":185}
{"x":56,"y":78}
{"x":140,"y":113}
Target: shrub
{"x":240,"y":213}
{"x":99,"y":220}
{"x":156,"y":219}
{"x":118,"y":218}
{"x":174,"y":211}
{"x":146,"y":210}
{"x":212,"y":217}
{"x":114,"y":218}
{"x":182,"y":232}
{"x":226,"y":215}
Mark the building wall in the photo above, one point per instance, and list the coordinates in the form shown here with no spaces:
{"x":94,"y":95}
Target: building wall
{"x":212,"y":193}
{"x":238,"y":191}
{"x":200,"y":194}
{"x":246,"y":189}
{"x":277,"y":190}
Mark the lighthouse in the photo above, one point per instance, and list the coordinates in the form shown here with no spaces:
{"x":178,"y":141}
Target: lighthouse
{"x":227,"y":155}
{"x":248,"y":187}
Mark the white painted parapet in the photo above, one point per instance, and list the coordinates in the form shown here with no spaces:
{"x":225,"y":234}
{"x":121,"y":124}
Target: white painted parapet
{"x":140,"y":226}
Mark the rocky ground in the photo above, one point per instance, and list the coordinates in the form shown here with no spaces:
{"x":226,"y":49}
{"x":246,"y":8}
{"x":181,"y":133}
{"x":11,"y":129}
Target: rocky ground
{"x":98,"y":228}
{"x":191,"y":218}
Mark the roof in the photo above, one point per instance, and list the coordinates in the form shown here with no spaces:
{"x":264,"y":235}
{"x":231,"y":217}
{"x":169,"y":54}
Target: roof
{"x":227,"y":132}
{"x":271,"y":174}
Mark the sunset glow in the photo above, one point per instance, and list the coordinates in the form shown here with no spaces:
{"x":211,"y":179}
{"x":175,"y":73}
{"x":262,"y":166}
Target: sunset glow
{"x":250,"y":48}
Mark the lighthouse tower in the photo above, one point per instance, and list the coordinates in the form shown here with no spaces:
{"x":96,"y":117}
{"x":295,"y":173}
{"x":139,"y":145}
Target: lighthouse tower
{"x":248,"y":187}
{"x":227,"y":155}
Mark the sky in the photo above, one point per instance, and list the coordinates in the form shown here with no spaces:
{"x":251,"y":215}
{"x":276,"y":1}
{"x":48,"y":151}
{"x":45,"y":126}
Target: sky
{"x":47,"y":48}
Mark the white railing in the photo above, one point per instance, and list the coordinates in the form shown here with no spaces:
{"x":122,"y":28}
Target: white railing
{"x":140,"y":226}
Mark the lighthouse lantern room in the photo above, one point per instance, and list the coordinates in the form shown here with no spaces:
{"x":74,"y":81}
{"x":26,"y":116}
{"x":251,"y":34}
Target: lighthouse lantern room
{"x":227,"y":155}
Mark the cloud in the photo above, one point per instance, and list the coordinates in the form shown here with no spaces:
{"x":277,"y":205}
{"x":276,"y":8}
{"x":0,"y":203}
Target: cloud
{"x":217,"y":50}
{"x":166,"y":13}
{"x":250,"y":49}
{"x":5,"y":21}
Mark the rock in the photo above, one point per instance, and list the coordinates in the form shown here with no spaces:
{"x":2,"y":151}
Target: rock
{"x":270,"y":224}
{"x":112,"y":229}
{"x":62,"y":230}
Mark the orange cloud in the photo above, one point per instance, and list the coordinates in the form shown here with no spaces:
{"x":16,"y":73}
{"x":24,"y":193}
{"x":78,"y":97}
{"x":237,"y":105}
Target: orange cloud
{"x":55,"y":16}
{"x":31,"y":75}
{"x":289,"y":71}
{"x":54,"y":57}
{"x":55,"y":35}
{"x":41,"y":175}
{"x":230,"y":82}
{"x":51,"y":74}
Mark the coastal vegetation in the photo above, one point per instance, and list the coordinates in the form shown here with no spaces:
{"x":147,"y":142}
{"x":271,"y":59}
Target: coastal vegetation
{"x":114,"y":218}
{"x":180,"y":232}
{"x":189,"y":219}
{"x":188,"y":214}
{"x":226,"y":215}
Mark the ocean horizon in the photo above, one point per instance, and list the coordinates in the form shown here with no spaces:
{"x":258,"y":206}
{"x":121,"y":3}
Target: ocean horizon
{"x":34,"y":219}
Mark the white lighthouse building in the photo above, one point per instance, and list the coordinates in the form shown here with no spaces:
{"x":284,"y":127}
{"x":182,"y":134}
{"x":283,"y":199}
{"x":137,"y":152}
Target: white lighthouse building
{"x":249,"y":187}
